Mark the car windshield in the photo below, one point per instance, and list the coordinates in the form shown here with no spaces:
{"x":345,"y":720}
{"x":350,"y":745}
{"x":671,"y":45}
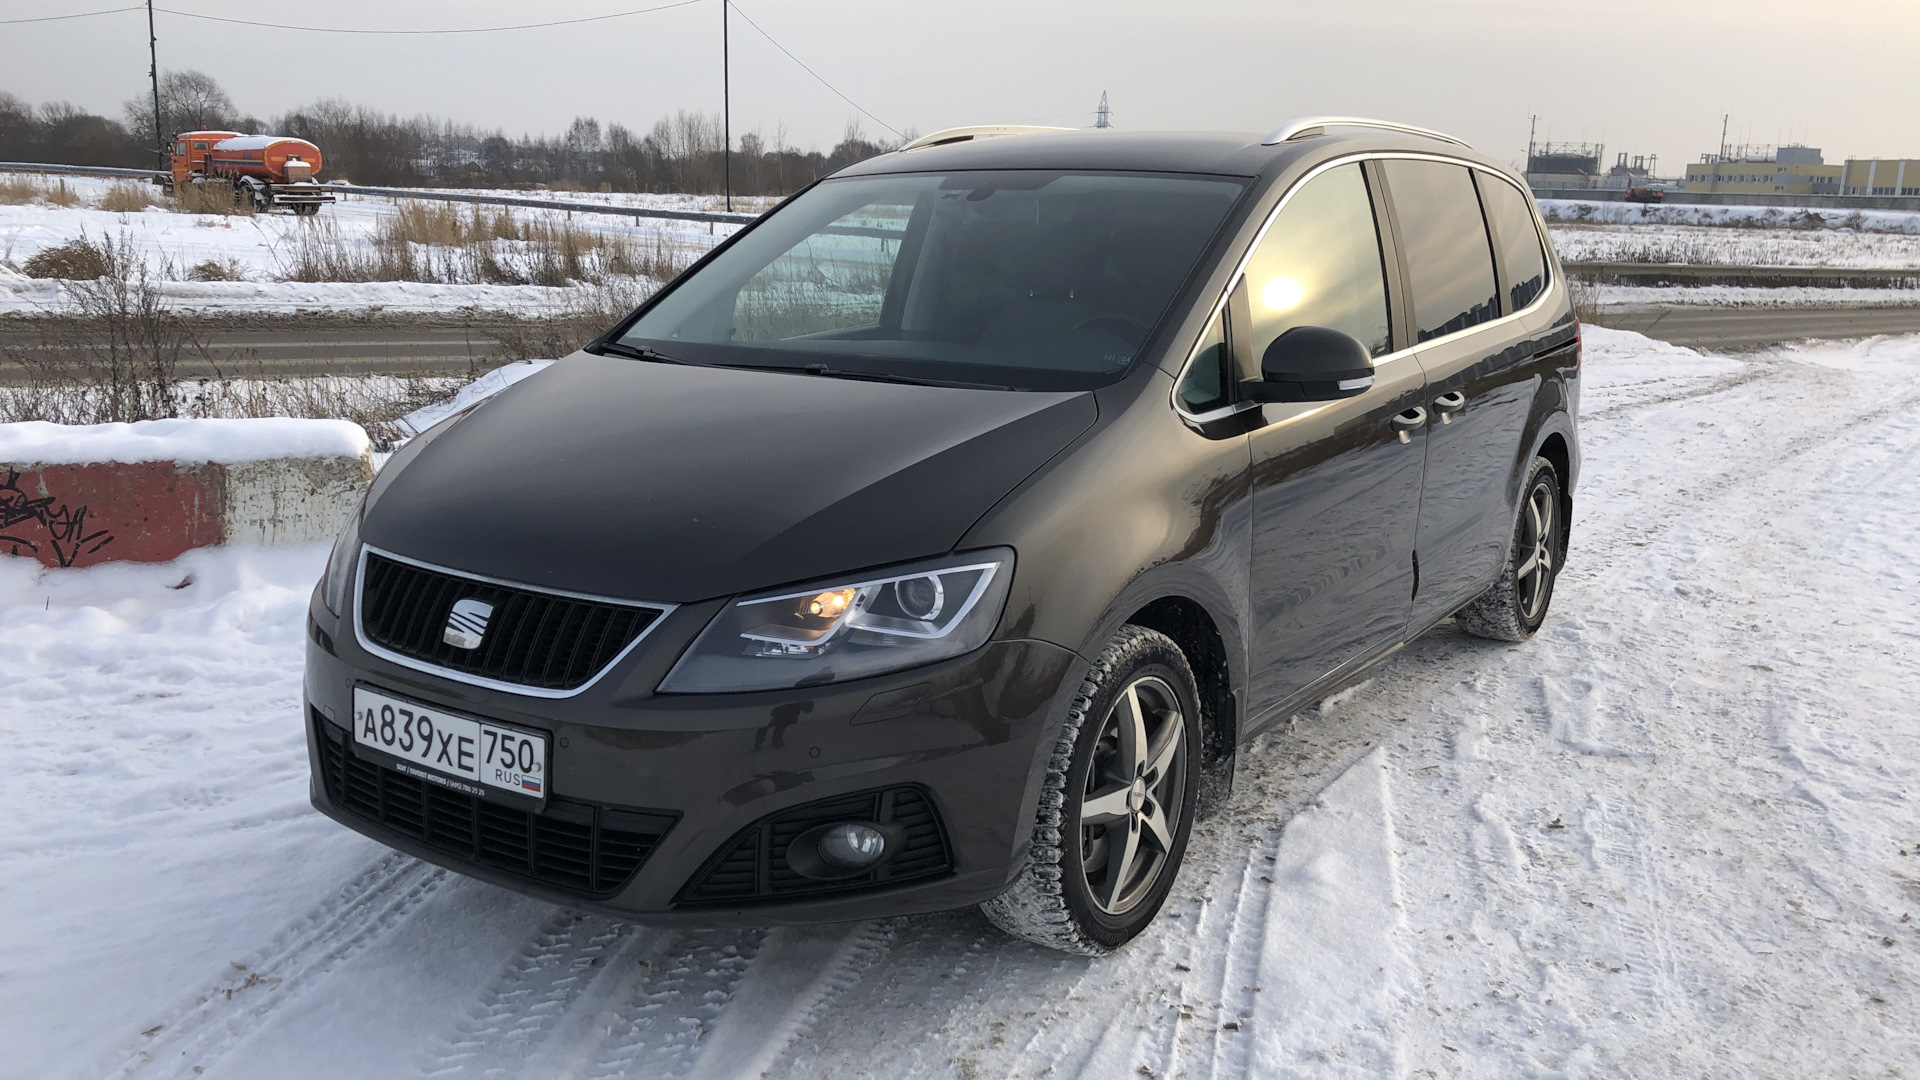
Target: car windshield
{"x":1028,"y":280}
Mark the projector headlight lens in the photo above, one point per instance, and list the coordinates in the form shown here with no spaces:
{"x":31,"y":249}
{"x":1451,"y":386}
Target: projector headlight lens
{"x":848,"y":629}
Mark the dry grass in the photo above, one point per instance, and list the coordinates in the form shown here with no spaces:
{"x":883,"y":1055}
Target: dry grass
{"x":116,"y":360}
{"x":18,"y":190}
{"x":75,"y":260}
{"x":59,"y":194}
{"x":209,"y":199}
{"x":579,"y":317}
{"x":127,"y":198}
{"x":217,"y":270}
{"x":439,"y":242}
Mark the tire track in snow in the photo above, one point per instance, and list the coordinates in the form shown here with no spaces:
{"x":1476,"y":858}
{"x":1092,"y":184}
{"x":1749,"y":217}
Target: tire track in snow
{"x":517,"y":1015}
{"x":796,"y":975}
{"x":359,"y":912}
{"x":658,"y":1029}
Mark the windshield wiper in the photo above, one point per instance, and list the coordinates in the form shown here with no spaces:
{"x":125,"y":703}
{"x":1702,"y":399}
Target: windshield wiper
{"x":865,"y":376}
{"x":642,"y":352}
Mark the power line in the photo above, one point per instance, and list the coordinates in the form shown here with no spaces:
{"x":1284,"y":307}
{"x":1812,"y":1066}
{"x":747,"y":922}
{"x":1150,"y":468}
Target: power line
{"x":76,"y":15}
{"x":810,"y":71}
{"x":459,"y":30}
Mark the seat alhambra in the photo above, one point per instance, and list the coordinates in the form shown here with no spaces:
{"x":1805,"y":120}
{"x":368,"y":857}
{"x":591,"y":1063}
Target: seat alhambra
{"x":941,"y":537}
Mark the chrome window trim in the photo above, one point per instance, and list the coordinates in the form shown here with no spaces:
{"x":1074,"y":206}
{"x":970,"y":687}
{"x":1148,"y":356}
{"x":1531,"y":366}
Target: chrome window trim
{"x":360,"y":634}
{"x":1554,"y":284}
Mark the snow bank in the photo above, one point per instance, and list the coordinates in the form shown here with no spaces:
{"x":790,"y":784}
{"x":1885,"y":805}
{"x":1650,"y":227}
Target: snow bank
{"x":1740,"y":296}
{"x":230,"y":442}
{"x":1624,"y":213}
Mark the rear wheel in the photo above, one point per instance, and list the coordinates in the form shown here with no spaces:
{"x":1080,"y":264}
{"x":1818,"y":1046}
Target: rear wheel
{"x":1515,"y":606}
{"x":1117,"y":804}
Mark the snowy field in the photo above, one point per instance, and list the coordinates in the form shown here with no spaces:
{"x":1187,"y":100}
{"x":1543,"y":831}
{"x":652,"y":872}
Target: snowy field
{"x":264,"y":248}
{"x":1677,"y":834}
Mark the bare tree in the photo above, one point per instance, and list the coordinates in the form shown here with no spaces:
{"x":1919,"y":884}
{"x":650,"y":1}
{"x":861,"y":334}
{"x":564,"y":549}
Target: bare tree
{"x":189,"y":101}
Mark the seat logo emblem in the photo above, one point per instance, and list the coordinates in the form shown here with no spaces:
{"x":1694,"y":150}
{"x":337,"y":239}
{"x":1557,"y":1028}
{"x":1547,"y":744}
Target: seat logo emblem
{"x":467,"y":623}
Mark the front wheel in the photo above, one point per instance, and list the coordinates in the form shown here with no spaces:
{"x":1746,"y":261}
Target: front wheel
{"x":1117,"y":804}
{"x":1515,"y":606}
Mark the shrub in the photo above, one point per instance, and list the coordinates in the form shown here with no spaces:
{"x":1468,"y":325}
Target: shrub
{"x":75,"y":260}
{"x":217,"y":270}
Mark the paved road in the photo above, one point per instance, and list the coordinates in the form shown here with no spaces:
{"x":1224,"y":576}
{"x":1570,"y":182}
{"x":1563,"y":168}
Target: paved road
{"x":1747,"y":328}
{"x":303,"y":350}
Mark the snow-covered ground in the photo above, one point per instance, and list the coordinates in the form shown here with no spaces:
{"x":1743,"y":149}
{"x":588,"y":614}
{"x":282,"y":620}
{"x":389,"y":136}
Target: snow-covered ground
{"x":1739,"y":217}
{"x":1717,"y":246}
{"x":1677,"y":834}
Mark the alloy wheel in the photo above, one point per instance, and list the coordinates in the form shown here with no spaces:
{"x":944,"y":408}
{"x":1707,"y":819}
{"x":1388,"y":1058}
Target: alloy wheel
{"x":1533,"y":578}
{"x":1130,"y":806}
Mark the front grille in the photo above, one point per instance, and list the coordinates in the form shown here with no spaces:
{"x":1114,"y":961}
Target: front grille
{"x":572,"y":846}
{"x":533,"y":638}
{"x":752,"y":867}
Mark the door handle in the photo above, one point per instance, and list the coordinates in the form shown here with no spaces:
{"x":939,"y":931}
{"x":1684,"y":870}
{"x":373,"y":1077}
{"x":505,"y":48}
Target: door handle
{"x":1402,"y":423}
{"x":1447,"y":404}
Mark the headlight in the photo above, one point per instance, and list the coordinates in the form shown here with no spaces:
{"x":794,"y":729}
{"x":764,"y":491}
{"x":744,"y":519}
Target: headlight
{"x":340,"y":564}
{"x":848,"y":628}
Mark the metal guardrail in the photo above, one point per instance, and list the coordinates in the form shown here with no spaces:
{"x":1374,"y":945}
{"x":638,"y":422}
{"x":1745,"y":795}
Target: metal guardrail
{"x":76,"y":170}
{"x":549,"y":204}
{"x":1827,"y":277}
{"x":711,"y":217}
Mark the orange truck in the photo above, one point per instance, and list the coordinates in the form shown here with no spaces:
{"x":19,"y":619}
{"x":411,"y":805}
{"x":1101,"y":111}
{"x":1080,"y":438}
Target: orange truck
{"x":267,"y":170}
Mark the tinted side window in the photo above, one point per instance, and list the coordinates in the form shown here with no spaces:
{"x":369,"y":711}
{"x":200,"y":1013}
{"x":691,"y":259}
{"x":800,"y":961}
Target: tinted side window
{"x":1319,"y":265}
{"x":1518,"y":239}
{"x":1448,"y":254}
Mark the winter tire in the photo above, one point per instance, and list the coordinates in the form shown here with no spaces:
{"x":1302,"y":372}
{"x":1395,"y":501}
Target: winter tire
{"x":1515,"y":606}
{"x":1117,"y":804}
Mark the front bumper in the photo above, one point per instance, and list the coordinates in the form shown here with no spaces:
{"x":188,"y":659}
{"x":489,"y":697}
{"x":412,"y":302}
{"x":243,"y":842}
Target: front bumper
{"x":695,"y":772}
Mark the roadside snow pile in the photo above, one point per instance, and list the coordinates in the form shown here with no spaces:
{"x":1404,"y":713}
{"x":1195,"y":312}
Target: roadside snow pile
{"x":231,"y":442}
{"x":472,"y":394}
{"x":1675,"y":834}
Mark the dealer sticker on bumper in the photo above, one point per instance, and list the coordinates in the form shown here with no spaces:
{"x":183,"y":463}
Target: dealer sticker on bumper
{"x":451,"y":750}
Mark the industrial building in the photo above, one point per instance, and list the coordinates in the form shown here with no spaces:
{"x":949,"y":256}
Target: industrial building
{"x":1881,"y":176}
{"x":1788,"y":170}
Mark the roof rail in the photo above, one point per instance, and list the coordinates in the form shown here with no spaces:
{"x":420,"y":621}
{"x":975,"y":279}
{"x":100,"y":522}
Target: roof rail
{"x":976,"y":131}
{"x":1308,"y":126}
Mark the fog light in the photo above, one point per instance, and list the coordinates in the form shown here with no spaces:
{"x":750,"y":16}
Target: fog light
{"x":852,"y":846}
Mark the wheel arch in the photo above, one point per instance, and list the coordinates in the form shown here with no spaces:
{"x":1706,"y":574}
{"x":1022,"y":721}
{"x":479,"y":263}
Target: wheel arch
{"x":1193,"y":628}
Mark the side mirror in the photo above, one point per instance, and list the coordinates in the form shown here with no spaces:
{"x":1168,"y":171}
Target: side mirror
{"x":1312,"y":363}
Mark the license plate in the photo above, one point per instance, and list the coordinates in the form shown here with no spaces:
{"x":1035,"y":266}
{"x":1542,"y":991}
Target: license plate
{"x":478,"y":757}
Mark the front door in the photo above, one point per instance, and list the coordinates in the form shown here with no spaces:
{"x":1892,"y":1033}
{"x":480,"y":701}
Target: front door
{"x":1336,"y":485}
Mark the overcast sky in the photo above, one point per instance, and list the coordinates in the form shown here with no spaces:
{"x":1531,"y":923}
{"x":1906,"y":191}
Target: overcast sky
{"x":1647,"y":77}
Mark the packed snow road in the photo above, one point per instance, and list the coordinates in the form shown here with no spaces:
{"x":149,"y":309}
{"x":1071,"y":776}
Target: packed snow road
{"x":1677,"y":834}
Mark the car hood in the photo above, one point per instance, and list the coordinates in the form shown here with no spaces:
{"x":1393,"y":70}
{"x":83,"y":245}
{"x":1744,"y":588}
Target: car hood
{"x":655,"y":481}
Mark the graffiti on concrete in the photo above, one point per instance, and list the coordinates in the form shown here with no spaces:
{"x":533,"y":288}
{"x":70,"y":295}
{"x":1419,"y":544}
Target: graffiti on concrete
{"x":64,"y":527}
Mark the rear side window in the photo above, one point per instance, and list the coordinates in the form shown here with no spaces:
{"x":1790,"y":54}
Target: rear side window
{"x":1518,"y":240}
{"x":1448,"y":254}
{"x":1319,"y":265}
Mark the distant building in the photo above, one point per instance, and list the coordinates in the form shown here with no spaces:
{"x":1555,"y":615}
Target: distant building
{"x":1788,"y":170}
{"x":1553,"y":166}
{"x":1881,"y":176}
{"x":1632,"y":172}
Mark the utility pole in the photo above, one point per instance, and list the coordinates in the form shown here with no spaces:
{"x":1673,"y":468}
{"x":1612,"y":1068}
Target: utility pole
{"x":153,"y":72}
{"x":1714,"y":183}
{"x":726,"y":108}
{"x":1102,"y":118}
